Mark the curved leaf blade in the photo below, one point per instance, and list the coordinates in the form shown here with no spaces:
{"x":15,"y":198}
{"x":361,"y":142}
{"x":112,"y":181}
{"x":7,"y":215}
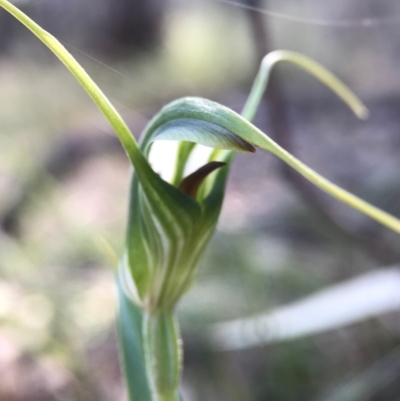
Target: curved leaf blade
{"x":312,"y":67}
{"x":84,"y":80}
{"x":206,"y":110}
{"x":171,"y":205}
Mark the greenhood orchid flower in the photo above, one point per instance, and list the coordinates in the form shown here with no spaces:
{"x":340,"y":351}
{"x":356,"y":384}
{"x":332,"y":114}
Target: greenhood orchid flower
{"x":171,"y":222}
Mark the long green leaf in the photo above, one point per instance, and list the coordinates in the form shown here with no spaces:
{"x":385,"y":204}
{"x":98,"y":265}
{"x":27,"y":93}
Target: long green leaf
{"x":130,"y":319}
{"x":85,"y":81}
{"x":211,"y":112}
{"x":171,"y":205}
{"x":315,"y":69}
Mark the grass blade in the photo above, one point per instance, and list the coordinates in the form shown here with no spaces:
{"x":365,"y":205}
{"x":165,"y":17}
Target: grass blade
{"x":307,"y":64}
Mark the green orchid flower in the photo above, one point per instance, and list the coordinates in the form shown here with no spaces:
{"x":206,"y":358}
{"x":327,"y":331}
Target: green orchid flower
{"x":171,"y":222}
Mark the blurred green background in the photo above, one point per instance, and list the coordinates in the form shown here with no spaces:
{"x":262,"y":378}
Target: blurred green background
{"x":64,"y":186}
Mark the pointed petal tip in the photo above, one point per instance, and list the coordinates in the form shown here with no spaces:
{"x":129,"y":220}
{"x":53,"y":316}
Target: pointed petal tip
{"x":192,"y":182}
{"x":251,"y":148}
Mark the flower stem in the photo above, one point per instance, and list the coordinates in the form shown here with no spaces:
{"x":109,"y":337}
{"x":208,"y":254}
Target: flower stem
{"x":163,"y":355}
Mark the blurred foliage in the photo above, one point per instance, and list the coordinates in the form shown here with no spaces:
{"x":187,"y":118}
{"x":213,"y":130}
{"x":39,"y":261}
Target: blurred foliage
{"x":57,"y":301}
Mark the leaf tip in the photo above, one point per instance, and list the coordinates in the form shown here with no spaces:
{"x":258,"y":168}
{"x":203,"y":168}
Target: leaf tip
{"x":362,"y":113}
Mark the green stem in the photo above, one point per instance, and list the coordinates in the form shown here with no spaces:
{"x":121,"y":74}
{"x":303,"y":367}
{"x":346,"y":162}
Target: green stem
{"x":163,"y":355}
